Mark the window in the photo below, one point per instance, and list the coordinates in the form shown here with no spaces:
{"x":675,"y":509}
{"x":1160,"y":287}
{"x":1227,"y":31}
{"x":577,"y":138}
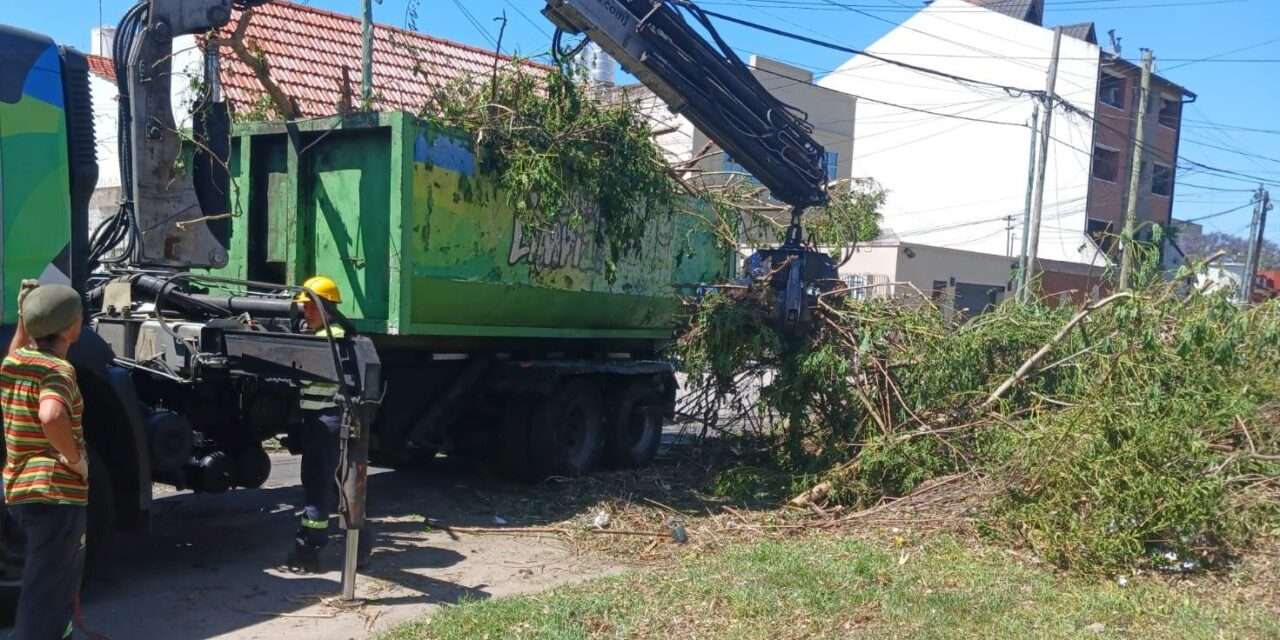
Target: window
{"x":1106,"y":164}
{"x":939,"y":291}
{"x":1111,"y":90}
{"x":1161,"y":180}
{"x":858,"y":285}
{"x":833,"y":166}
{"x":1170,"y":112}
{"x":1103,"y":234}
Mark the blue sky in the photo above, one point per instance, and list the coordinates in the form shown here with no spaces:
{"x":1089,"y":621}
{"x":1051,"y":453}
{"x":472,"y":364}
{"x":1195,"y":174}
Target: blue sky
{"x":1234,"y":89}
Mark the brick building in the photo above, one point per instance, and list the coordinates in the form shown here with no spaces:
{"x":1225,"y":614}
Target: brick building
{"x":954,"y":154}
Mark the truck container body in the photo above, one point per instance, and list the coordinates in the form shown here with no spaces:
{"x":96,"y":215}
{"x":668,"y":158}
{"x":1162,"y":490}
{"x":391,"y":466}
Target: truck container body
{"x":399,"y":212}
{"x":486,"y":327}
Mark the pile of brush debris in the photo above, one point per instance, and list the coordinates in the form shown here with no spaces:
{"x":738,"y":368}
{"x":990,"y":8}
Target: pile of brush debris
{"x":1137,"y":430}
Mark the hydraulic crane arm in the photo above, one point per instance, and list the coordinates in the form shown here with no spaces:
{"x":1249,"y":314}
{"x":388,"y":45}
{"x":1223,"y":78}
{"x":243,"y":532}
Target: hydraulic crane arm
{"x":710,"y":86}
{"x":169,"y":216}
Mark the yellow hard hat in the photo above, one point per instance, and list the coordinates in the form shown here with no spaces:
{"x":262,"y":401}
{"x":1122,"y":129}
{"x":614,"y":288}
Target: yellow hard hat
{"x":322,"y":286}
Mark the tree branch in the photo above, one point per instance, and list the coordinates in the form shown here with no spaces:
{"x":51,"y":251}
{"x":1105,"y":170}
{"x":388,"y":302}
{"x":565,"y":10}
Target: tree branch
{"x":1031,"y":362}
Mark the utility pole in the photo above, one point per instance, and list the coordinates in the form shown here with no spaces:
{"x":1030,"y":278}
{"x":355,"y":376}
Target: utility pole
{"x":366,"y":58}
{"x":1262,"y":200}
{"x":1026,"y":208}
{"x":1042,"y":160}
{"x":1127,"y":248}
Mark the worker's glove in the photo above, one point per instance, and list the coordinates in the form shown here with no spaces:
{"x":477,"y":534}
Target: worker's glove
{"x":80,"y":468}
{"x":26,"y":287}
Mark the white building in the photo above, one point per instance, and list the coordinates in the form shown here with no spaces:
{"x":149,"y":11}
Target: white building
{"x":955,"y":155}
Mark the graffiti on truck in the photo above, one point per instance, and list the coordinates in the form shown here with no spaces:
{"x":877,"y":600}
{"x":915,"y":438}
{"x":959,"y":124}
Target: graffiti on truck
{"x":556,"y":247}
{"x":565,"y":245}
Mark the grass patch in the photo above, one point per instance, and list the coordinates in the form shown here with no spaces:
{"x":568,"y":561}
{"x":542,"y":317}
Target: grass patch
{"x":844,"y":587}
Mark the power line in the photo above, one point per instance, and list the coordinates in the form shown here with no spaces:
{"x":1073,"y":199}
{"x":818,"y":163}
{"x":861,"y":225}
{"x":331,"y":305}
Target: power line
{"x":1217,"y":56}
{"x":526,"y":17}
{"x":1012,"y":91}
{"x":1209,"y":188}
{"x":1220,"y":213}
{"x":475,"y":23}
{"x":1230,"y":150}
{"x":858,"y":52}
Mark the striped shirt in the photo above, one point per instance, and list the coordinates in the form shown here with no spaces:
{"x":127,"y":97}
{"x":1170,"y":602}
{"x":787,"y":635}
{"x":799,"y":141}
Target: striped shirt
{"x":32,"y":472}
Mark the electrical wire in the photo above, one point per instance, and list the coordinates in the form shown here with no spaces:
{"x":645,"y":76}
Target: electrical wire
{"x":1011,"y":90}
{"x":1220,"y":213}
{"x":526,"y":17}
{"x":466,"y":13}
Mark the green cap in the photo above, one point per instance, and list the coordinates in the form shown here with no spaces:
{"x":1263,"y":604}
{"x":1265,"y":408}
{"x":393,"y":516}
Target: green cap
{"x":50,"y":309}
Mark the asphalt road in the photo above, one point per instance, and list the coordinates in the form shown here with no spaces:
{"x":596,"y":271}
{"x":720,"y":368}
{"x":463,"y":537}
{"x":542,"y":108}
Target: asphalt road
{"x":209,"y":566}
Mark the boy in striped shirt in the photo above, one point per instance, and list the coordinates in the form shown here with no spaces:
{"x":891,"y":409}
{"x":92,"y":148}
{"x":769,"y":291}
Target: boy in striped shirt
{"x":46,"y":471}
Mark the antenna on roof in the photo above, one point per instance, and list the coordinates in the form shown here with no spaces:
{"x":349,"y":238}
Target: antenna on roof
{"x":1115,"y":42}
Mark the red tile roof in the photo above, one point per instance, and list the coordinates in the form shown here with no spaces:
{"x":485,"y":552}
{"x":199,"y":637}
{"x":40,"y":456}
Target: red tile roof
{"x":308,"y":48}
{"x":102,"y":67}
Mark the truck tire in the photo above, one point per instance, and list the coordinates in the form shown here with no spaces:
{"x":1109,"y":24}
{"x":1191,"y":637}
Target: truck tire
{"x":635,"y":425}
{"x":514,"y":454}
{"x":568,"y":431}
{"x":99,"y":531}
{"x":100,"y":528}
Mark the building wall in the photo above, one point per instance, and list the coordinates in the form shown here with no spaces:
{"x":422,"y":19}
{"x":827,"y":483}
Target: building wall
{"x":923,"y":266}
{"x":927,"y":267}
{"x":830,"y":112}
{"x":874,"y":263}
{"x":956,"y":183}
{"x":674,"y":132}
{"x":105,"y":105}
{"x":1107,"y":199}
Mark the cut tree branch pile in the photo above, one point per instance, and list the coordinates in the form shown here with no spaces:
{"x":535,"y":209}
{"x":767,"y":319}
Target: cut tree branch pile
{"x":1148,"y":440}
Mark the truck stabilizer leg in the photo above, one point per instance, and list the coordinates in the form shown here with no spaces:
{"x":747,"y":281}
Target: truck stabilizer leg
{"x":353,"y":481}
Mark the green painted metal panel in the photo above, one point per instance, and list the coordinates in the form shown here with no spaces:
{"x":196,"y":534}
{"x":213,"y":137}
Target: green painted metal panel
{"x":280,"y":220}
{"x":422,"y":243}
{"x":349,"y":204}
{"x":35,"y":200}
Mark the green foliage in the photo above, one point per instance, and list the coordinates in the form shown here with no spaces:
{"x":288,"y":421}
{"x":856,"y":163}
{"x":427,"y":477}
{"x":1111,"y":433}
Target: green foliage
{"x":852,"y":216}
{"x":740,"y":212}
{"x":752,"y":484}
{"x":561,"y":155}
{"x":724,"y":339}
{"x":1147,"y":436}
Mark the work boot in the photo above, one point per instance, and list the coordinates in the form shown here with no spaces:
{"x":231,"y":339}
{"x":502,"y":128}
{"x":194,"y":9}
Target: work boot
{"x":305,"y":558}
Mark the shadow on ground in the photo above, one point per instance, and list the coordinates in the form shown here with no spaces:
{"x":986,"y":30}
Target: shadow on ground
{"x":209,"y":566}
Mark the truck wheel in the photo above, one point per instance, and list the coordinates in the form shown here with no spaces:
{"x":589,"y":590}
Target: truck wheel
{"x":99,"y":530}
{"x":635,"y":425}
{"x":101,"y":526}
{"x":514,"y":452}
{"x":568,"y":435}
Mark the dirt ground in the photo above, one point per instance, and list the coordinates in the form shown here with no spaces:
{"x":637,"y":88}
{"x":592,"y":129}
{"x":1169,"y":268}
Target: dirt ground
{"x":209,"y":567}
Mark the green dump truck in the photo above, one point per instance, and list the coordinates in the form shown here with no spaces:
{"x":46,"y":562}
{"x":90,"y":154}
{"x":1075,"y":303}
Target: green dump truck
{"x":495,"y":338}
